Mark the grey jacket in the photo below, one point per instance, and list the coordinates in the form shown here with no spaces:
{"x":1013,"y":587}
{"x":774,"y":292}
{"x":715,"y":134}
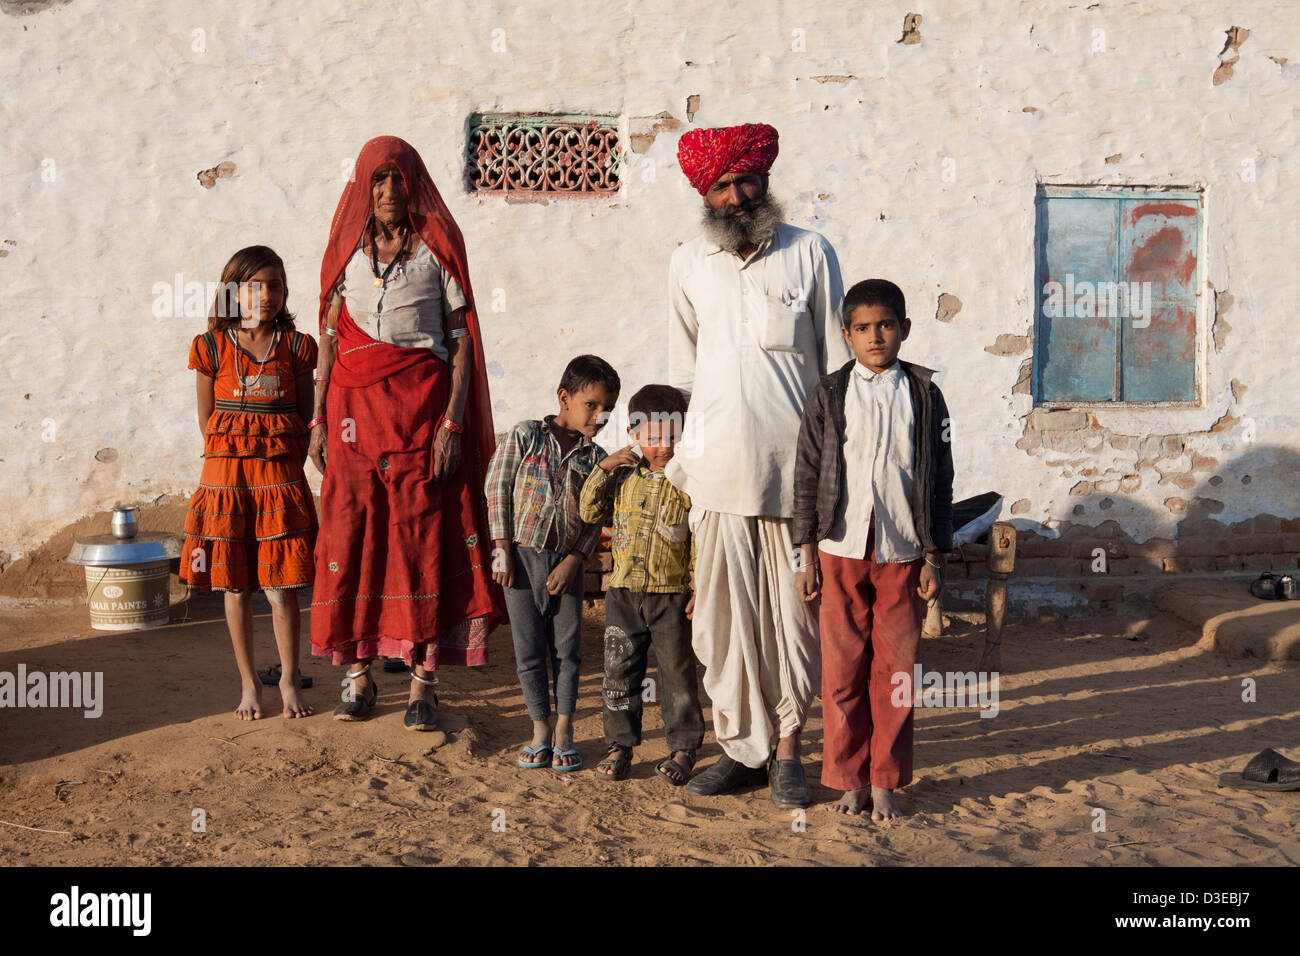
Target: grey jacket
{"x":819,"y":459}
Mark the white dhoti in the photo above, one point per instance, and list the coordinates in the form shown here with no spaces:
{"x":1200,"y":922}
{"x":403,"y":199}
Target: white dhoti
{"x":758,"y":642}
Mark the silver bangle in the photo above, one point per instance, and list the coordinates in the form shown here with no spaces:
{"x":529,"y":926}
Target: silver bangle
{"x":329,"y":331}
{"x":458,"y":333}
{"x":933,"y":564}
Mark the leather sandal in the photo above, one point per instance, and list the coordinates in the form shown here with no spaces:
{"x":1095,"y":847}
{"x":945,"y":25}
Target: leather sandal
{"x":420,"y":714}
{"x":358,"y":708}
{"x":672,"y":771}
{"x":620,"y":759}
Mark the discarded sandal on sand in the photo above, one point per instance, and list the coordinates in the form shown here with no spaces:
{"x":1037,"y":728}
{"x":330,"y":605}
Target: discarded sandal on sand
{"x":270,"y":676}
{"x":1267,"y":770}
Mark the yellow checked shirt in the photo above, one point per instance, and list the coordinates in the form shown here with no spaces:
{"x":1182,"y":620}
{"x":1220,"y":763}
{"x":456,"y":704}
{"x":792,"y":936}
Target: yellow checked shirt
{"x":652,"y":545}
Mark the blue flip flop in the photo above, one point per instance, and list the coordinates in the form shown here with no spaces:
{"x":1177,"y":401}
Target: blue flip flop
{"x":567,"y":768}
{"x":536,"y":751}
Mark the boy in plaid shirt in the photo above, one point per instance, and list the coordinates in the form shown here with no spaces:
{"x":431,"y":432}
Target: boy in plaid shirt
{"x":540,"y":544}
{"x":650,"y":595}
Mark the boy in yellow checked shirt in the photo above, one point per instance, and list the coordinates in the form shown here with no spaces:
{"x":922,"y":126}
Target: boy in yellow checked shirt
{"x":650,"y":596}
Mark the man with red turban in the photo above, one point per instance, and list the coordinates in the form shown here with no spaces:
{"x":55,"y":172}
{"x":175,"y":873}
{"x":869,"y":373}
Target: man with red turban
{"x":754,"y":323}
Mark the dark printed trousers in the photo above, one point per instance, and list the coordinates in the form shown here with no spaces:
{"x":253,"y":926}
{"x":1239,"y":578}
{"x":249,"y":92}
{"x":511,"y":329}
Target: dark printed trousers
{"x":633,"y":619}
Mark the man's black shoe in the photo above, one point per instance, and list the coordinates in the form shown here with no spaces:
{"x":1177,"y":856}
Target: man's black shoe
{"x":789,"y":786}
{"x":725,"y":776}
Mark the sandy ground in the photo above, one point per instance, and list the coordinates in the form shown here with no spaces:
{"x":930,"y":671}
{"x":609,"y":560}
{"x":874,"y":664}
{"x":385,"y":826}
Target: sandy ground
{"x":1019,"y":788}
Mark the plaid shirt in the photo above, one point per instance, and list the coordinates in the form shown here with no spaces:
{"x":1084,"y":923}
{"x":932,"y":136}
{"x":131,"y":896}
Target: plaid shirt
{"x":653,"y":548}
{"x":531,"y":487}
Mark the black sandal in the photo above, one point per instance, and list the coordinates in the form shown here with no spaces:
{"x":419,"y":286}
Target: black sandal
{"x":271,"y":677}
{"x":420,"y":715}
{"x":358,"y":708}
{"x":618,"y":757}
{"x":672,"y":765}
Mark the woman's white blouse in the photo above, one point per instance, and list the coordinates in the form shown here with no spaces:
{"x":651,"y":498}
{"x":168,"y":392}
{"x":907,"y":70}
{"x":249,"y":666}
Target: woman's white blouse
{"x":409,"y":309}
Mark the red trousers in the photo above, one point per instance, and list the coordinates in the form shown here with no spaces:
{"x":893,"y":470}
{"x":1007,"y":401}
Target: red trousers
{"x":870,"y":631}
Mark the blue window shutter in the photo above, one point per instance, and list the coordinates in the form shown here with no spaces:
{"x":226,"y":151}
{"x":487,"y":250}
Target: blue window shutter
{"x":1077,"y":241}
{"x":1159,"y":249}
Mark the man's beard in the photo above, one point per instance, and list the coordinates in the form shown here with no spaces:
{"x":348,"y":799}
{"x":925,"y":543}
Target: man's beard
{"x":751,"y":228}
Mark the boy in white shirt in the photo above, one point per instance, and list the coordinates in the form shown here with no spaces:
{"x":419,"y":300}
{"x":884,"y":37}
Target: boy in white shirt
{"x":872,"y":517}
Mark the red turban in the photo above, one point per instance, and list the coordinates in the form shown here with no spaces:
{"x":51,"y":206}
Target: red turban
{"x":706,"y":155}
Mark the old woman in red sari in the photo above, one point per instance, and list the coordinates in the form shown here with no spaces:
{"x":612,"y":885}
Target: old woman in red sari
{"x":402,"y":432}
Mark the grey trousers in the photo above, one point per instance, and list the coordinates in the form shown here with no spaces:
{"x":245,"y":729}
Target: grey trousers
{"x":545,"y":626}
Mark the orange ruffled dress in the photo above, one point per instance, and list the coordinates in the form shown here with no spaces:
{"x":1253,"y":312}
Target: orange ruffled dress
{"x":252,"y":522}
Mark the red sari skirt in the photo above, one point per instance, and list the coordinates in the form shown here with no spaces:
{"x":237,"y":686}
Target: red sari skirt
{"x":403,"y":566}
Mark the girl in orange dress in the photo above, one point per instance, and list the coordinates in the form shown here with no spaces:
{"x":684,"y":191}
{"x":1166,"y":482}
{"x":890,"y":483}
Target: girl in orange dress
{"x":252,"y":522}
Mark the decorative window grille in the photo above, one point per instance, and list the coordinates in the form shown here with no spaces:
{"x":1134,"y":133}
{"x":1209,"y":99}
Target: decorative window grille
{"x":1120,"y":291}
{"x":545,"y":153}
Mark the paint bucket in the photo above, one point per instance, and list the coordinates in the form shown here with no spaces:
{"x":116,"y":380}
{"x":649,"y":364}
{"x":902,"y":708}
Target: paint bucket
{"x":128,"y":598}
{"x":128,"y":574}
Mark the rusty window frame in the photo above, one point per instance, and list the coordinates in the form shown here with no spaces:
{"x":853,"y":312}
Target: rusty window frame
{"x":1193,"y":194}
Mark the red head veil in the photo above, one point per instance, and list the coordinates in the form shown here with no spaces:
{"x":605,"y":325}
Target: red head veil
{"x":431,"y":220}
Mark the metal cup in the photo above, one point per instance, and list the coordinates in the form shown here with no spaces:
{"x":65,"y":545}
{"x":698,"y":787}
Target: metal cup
{"x":123,"y":522}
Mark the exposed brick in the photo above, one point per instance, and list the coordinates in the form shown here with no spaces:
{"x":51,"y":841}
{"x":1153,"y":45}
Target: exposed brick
{"x":1154,"y":548}
{"x":1255,"y":544}
{"x":1185,"y":482}
{"x":1044,"y":419}
{"x":1291,"y":543}
{"x":1081,"y":488}
{"x":1201,"y":463}
{"x":1264,"y":562}
{"x":1267,"y":524}
{"x":1040,"y":547}
{"x":1244,"y":527}
{"x":1201,"y":545}
{"x":1184,"y":565}
{"x":1049,"y":567}
{"x":1228,"y":563}
{"x":1190,"y":527}
{"x":1020,"y":507}
{"x":1112,"y":549}
{"x":1130,"y":483}
{"x":1176,"y":506}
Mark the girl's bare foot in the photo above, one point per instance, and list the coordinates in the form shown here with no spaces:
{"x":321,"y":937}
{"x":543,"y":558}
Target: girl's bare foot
{"x":295,"y":705}
{"x":884,"y":806}
{"x":250,"y":705}
{"x":852,"y":803}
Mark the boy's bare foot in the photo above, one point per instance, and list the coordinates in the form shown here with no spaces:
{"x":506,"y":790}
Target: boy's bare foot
{"x":852,"y":803}
{"x":541,"y":738}
{"x":295,"y":705}
{"x":250,"y":705}
{"x":884,"y":806}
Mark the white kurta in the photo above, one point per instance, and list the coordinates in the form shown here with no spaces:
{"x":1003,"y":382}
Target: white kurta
{"x":747,"y":342}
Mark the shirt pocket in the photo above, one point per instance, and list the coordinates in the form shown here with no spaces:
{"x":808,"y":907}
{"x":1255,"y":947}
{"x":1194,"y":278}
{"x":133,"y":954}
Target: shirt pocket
{"x":671,"y":521}
{"x":781,"y":325}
